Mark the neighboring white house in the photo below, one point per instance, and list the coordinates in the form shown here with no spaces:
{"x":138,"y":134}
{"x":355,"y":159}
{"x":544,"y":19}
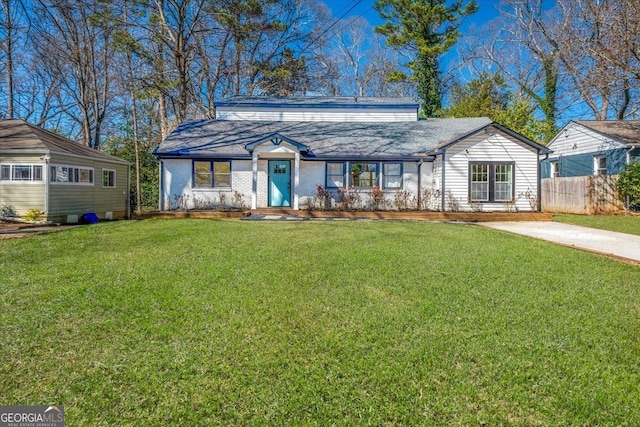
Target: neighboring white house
{"x":275,"y":152}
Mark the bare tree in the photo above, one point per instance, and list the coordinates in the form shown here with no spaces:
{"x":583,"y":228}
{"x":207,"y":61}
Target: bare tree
{"x":73,"y":40}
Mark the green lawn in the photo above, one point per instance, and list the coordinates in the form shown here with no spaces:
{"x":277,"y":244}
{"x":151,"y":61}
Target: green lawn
{"x":199,"y":322}
{"x":622,"y":223}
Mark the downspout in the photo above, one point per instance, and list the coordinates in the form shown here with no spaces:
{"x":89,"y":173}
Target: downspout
{"x":627,"y":155}
{"x":539,"y":180}
{"x":443,"y":197}
{"x":47,"y":180}
{"x":627,"y":160}
{"x":161,"y":185}
{"x":128,"y":192}
{"x":420,"y":183}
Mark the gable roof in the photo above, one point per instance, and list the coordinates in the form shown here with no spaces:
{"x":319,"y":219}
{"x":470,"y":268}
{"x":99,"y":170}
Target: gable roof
{"x":19,"y":135}
{"x":219,"y":138}
{"x":316,"y":102}
{"x":516,"y":136}
{"x":624,"y":131}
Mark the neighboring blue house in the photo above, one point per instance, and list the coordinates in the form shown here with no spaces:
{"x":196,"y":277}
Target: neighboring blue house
{"x":593,"y":147}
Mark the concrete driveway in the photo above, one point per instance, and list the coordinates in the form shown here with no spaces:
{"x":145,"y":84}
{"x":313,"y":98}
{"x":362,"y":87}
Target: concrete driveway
{"x":619,"y":245}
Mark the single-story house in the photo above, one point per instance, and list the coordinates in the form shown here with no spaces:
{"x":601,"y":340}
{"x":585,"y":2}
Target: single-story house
{"x":276,"y":151}
{"x":593,"y":147}
{"x":59,"y":177}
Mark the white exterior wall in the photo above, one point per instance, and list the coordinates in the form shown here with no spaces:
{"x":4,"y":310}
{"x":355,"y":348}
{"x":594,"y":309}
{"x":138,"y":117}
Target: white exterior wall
{"x":177,"y":180}
{"x":485,"y":148}
{"x":317,"y":114}
{"x":311,"y":175}
{"x":577,"y":139}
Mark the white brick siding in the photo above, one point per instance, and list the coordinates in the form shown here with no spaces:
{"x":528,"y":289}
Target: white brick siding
{"x":178,"y":187}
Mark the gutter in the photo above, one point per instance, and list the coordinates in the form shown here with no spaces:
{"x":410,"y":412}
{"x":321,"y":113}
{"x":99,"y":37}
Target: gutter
{"x":161,"y":185}
{"x":47,"y":181}
{"x":443,"y":196}
{"x":539,"y":180}
{"x":628,"y":153}
{"x":128,"y":193}
{"x":420,"y":183}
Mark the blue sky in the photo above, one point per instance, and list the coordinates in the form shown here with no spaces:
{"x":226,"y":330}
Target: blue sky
{"x":365,"y":9}
{"x":486,"y":12}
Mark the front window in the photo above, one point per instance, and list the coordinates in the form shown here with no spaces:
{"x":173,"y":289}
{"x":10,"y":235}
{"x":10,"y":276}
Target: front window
{"x":335,"y":175}
{"x":480,"y":182}
{"x":503,"y":183}
{"x":600,"y":165}
{"x":212,"y":174}
{"x":364,"y":175}
{"x":491,"y":182}
{"x":21,"y":172}
{"x":392,"y":175}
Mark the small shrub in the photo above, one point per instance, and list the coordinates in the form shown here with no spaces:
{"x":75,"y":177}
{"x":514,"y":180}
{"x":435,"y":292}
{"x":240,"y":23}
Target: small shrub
{"x":321,"y":200}
{"x":180,"y":202}
{"x":376,"y":199}
{"x":222,"y":201}
{"x":202,"y":204}
{"x":405,"y":200}
{"x":531,"y":197}
{"x":33,"y":215}
{"x":8,"y":211}
{"x":629,"y":186}
{"x":511,"y":205}
{"x":453,"y":205}
{"x":429,"y":199}
{"x":238,"y":201}
{"x":349,"y":199}
{"x":475,"y":205}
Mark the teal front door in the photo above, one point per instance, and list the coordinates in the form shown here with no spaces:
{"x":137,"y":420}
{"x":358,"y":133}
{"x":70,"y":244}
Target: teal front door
{"x":279,"y":182}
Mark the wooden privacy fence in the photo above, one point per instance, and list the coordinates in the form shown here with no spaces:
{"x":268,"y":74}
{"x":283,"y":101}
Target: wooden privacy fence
{"x":591,"y":195}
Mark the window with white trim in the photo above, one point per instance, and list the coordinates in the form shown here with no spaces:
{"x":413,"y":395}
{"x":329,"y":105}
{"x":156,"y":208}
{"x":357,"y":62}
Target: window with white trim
{"x":491,"y":181}
{"x":555,"y":169}
{"x":71,"y":175}
{"x":600,"y":165}
{"x":335,"y":175}
{"x":21,"y":172}
{"x":108,"y":178}
{"x":479,"y":188}
{"x":212,"y":173}
{"x":392,"y":175}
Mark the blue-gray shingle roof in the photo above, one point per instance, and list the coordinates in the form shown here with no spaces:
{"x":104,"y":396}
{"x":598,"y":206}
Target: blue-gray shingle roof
{"x":219,"y":138}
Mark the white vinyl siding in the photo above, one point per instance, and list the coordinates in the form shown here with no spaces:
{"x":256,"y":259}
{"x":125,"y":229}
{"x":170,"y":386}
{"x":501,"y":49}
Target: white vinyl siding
{"x":577,"y":139}
{"x":317,"y":114}
{"x":484,"y":148}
